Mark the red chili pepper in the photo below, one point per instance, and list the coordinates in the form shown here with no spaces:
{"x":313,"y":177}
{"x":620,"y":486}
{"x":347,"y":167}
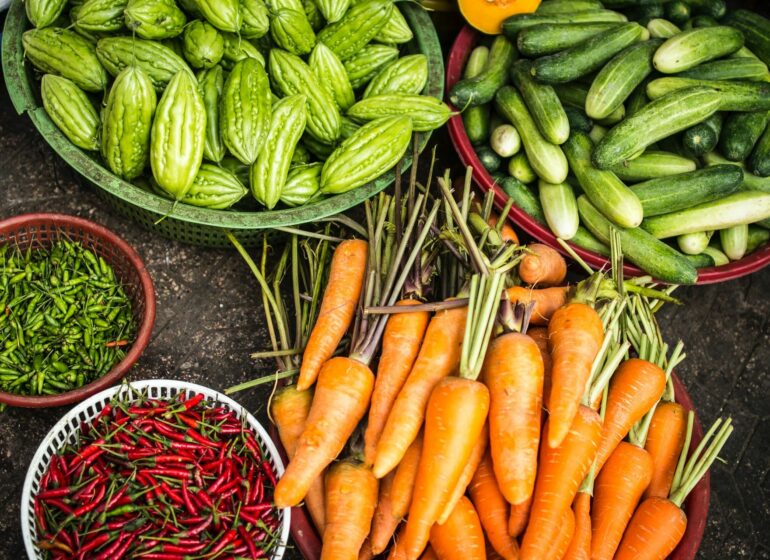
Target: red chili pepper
{"x":268,"y":470}
{"x":257,"y":508}
{"x":94,"y":543}
{"x":90,"y":506}
{"x":175,"y":496}
{"x":194,"y":424}
{"x":195,"y":436}
{"x":105,"y":411}
{"x":198,"y":529}
{"x":142,"y":453}
{"x":204,"y":498}
{"x":61,"y":505}
{"x":55,"y":493}
{"x":186,"y":445}
{"x":169,"y":472}
{"x":226,"y":540}
{"x":192,"y":401}
{"x":183,"y":549}
{"x":110,"y":550}
{"x":88,"y":488}
{"x":247,"y":539}
{"x":40,"y":516}
{"x":161,"y":556}
{"x":187,"y":500}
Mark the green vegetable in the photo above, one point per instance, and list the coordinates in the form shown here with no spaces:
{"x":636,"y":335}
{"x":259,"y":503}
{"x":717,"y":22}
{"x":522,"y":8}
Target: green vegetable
{"x":713,"y":8}
{"x":367,"y":63}
{"x":333,"y":10}
{"x":291,"y":30}
{"x":543,"y":104}
{"x":211,"y":84}
{"x":255,"y":19}
{"x":491,"y":161}
{"x":744,"y":68}
{"x":71,"y":110}
{"x":215,"y":187}
{"x":514,"y":24}
{"x":757,"y":236}
{"x":755,"y":29}
{"x":653,"y":164}
{"x":245,"y":109}
{"x":662,"y":28}
{"x":330,"y":72}
{"x":544,"y":39}
{"x":481,"y":89}
{"x":475,"y":119}
{"x":408,"y":74}
{"x":360,"y":24}
{"x":519,"y":167}
{"x":236,"y":49}
{"x":741,"y":132}
{"x":426,"y":112}
{"x":716,"y":255}
{"x":522,"y":196}
{"x":225,"y":15}
{"x":696,"y":46}
{"x":703,"y":137}
{"x":576,"y":94}
{"x":204,"y":46}
{"x":578,"y":120}
{"x":302,"y":184}
{"x":694,"y":243}
{"x":154,"y":19}
{"x":735,"y":95}
{"x":560,"y":209}
{"x":759,"y":161}
{"x":505,"y":140}
{"x":158,"y":61}
{"x":555,"y":7}
{"x":396,"y":30}
{"x":701,"y":261}
{"x":100,"y":16}
{"x":42,"y":13}
{"x":735,"y":241}
{"x":678,"y":12}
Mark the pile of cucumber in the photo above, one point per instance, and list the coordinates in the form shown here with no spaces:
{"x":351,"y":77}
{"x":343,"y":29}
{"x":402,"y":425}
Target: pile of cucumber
{"x":650,"y":117}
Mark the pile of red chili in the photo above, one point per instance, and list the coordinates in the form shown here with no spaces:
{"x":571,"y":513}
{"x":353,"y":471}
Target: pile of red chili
{"x":159,"y":479}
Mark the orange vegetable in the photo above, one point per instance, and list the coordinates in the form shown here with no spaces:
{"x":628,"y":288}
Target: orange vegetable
{"x":341,"y":397}
{"x":580,"y":545}
{"x":558,"y":548}
{"x":487,"y":15}
{"x":575,"y":334}
{"x":366,"y":551}
{"x":546,"y":300}
{"x":385,"y":523}
{"x":519,"y":517}
{"x":540,"y":336}
{"x":542,"y":265}
{"x":465,"y":478}
{"x":506,"y":231}
{"x":492,"y":509}
{"x":397,"y":551}
{"x":351,"y":495}
{"x":346,"y":278}
{"x":665,"y":440}
{"x":461,"y":537}
{"x":403,"y":481}
{"x":400,"y":344}
{"x":429,"y":554}
{"x":654,"y":531}
{"x":439,"y":357}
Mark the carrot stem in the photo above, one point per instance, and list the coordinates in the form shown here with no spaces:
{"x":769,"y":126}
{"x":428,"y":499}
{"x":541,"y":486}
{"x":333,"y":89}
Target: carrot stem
{"x":566,"y":246}
{"x":683,"y":455}
{"x":261,"y":381}
{"x":477,"y":257}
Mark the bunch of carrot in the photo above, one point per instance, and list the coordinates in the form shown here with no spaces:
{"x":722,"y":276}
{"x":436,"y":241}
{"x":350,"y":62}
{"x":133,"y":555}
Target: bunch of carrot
{"x":513,"y":417}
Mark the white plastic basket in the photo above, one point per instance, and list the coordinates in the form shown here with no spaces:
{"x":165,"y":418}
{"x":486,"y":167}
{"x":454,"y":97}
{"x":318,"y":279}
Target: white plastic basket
{"x":67,"y":428}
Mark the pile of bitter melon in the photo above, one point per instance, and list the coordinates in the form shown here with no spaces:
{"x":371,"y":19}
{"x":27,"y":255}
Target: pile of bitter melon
{"x":296,"y":99}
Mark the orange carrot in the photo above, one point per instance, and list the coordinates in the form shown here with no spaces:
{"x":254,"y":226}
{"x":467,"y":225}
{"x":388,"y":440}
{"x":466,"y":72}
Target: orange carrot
{"x":540,"y":336}
{"x":351,"y":495}
{"x":341,"y":396}
{"x":542,"y":265}
{"x":513,"y":371}
{"x":346,"y":278}
{"x":665,"y":439}
{"x":439,"y":357}
{"x":400,"y":344}
{"x":456,"y":414}
{"x":558,"y":548}
{"x":617,"y":490}
{"x":461,"y":537}
{"x":506,"y":231}
{"x":580,"y":545}
{"x":519,"y":518}
{"x":403,"y":481}
{"x":560,"y":473}
{"x":635,"y":387}
{"x":398,"y":551}
{"x":546,"y":300}
{"x":429,"y":554}
{"x":465,"y":478}
{"x":289,"y":410}
{"x":492,"y":509}
{"x":385,"y":523}
{"x":654,"y":531}
{"x":366,"y":551}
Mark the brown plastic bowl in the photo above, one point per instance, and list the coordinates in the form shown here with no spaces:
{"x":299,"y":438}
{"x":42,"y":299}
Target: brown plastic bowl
{"x":696,"y":506}
{"x":41,"y":230}
{"x":461,"y":49}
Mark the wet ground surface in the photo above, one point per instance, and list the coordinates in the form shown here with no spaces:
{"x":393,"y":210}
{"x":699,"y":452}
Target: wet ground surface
{"x":209,"y":321}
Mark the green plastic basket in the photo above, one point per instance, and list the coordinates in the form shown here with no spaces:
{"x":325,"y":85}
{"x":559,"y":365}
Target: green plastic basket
{"x":190,"y":224}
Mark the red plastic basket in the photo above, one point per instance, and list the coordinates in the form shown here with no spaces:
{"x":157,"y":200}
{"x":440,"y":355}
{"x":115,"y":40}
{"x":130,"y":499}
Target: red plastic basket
{"x":42,"y":230}
{"x":696,"y":506}
{"x":461,"y":49}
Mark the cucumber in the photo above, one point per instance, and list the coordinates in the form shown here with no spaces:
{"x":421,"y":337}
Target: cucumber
{"x":652,"y":165}
{"x":735,"y":95}
{"x":519,"y":167}
{"x":643,"y":14}
{"x":678,"y":12}
{"x":759,"y":161}
{"x":637,"y":99}
{"x":514,"y":24}
{"x":757,"y":236}
{"x":476,"y":119}
{"x":554,"y":7}
{"x":578,"y":120}
{"x":713,"y":8}
{"x":696,"y":46}
{"x":703,"y":21}
{"x":489,"y":159}
{"x":734,"y":241}
{"x":743,"y":207}
{"x":542,"y":102}
{"x":639,"y":247}
{"x":703,"y":260}
{"x":704,"y":136}
{"x":608,"y":193}
{"x":694,"y":243}
{"x":716,"y":255}
{"x":597,"y":133}
{"x":560,"y":208}
{"x":541,"y":40}
{"x":744,"y":68}
{"x":546,"y":159}
{"x":575,"y":95}
{"x":619,"y":77}
{"x":662,"y":28}
{"x":663,"y":117}
{"x":505,"y":140}
{"x":755,"y":29}
{"x":481,"y":89}
{"x":750,"y":182}
{"x":570,"y":64}
{"x":587,"y":240}
{"x":522,"y":197}
{"x":741,"y":132}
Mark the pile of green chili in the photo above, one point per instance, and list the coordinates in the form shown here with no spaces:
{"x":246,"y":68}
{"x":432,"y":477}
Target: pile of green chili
{"x":65,"y":319}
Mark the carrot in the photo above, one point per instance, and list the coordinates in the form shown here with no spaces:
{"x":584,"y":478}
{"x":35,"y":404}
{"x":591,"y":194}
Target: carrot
{"x":400,"y":344}
{"x":351,"y":494}
{"x":398,"y":551}
{"x":429,"y":554}
{"x":635,"y":387}
{"x":580,"y":545}
{"x":558,"y":548}
{"x":542,"y":265}
{"x":461,"y":537}
{"x":506,"y":231}
{"x":346,"y":278}
{"x":456,"y":414}
{"x":439,"y":357}
{"x":366,"y":551}
{"x":465,"y":478}
{"x":519,"y":517}
{"x":403,"y":481}
{"x":665,"y":440}
{"x":492,"y":509}
{"x":560,"y":473}
{"x":575,"y":334}
{"x":341,"y":397}
{"x":617,"y":490}
{"x":540,"y":336}
{"x":385,"y":523}
{"x":546,"y":300}
{"x":513,"y":371}
{"x":289,"y":410}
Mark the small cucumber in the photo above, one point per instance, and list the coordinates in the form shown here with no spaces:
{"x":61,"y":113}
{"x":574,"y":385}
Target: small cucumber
{"x":696,"y":46}
{"x":734,"y":241}
{"x":542,"y":102}
{"x":703,"y":21}
{"x":519,"y":167}
{"x":756,"y":30}
{"x":678,"y":12}
{"x":741,"y":132}
{"x":546,"y":159}
{"x":481,"y":89}
{"x":587,"y":240}
{"x":476,"y":119}
{"x":639,"y":247}
{"x":588,"y":56}
{"x":757,"y":236}
{"x":735,"y":95}
{"x":701,"y":261}
{"x":663,"y":117}
{"x":541,"y":40}
{"x":743,"y":207}
{"x":652,"y":165}
{"x":619,"y":77}
{"x":694,"y":243}
{"x":505,"y":140}
{"x":578,"y":120}
{"x":716,"y":255}
{"x":750,"y":182}
{"x":759,"y":161}
{"x":662,"y":28}
{"x":744,"y":68}
{"x":514,"y":24}
{"x":554,"y":7}
{"x":522,"y":197}
{"x":608,"y":193}
{"x":489,"y":159}
{"x":560,"y":208}
{"x":637,"y":99}
{"x":575,"y":95}
{"x":713,"y":8}
{"x":701,"y":138}
{"x":597,"y":133}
